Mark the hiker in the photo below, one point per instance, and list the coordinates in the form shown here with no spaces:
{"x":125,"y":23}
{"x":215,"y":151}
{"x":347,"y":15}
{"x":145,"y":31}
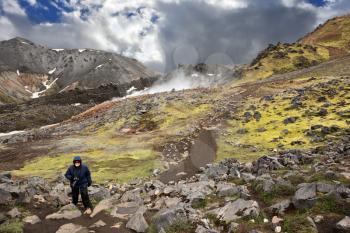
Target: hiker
{"x":80,"y":179}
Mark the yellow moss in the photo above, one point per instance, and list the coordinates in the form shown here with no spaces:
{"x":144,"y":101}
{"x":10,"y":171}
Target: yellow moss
{"x":273,"y":64}
{"x":253,"y":144}
{"x":104,"y":165}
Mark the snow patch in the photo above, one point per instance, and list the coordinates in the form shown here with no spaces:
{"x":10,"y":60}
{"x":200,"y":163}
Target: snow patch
{"x":49,"y":126}
{"x":76,"y":104}
{"x":81,"y":50}
{"x":194,"y":75}
{"x":57,"y":50}
{"x":47,"y":86}
{"x":24,"y":42}
{"x":18,"y":73}
{"x":99,"y":66}
{"x":130,"y":90}
{"x":52,"y":71}
{"x":210,"y":75}
{"x":11,"y":133}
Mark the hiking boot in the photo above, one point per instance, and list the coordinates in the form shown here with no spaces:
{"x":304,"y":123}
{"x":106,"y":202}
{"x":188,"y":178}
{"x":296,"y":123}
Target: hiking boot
{"x":88,"y":211}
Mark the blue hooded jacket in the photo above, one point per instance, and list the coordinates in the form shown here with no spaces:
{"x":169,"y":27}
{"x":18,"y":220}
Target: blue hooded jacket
{"x":82,"y":173}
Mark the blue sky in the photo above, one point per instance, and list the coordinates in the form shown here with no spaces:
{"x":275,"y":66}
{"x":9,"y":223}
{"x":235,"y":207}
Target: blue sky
{"x":162,"y":33}
{"x":51,"y":11}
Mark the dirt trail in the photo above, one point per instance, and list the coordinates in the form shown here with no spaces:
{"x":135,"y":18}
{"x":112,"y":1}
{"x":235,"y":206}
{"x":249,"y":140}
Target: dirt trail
{"x":202,"y":152}
{"x":51,"y":226}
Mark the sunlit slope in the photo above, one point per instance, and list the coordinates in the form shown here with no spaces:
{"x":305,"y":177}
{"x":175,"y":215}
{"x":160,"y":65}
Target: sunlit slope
{"x":333,"y":35}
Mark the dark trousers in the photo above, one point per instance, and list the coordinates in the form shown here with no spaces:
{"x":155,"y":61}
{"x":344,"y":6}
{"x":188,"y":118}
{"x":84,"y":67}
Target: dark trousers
{"x":84,"y":196}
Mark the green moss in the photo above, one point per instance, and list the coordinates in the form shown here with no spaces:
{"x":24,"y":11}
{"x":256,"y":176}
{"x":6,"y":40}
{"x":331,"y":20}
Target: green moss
{"x":199,"y":204}
{"x":180,"y":226}
{"x":330,"y":204}
{"x":297,"y":223}
{"x":104,"y":166}
{"x":12,"y":226}
{"x":254,"y":142}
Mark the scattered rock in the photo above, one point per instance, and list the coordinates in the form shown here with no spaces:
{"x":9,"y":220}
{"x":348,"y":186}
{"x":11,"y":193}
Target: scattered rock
{"x":14,"y":213}
{"x":72,"y":228}
{"x":105,"y":204}
{"x":201,"y":229}
{"x":344,"y":224}
{"x":66,"y":212}
{"x":305,"y":196}
{"x":137,"y":223}
{"x":290,"y":120}
{"x":98,"y":224}
{"x":32,"y":219}
{"x":280,"y":207}
{"x":235,"y":210}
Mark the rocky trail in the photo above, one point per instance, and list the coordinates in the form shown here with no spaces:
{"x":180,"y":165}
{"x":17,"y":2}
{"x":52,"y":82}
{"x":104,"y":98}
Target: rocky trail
{"x":296,"y":191}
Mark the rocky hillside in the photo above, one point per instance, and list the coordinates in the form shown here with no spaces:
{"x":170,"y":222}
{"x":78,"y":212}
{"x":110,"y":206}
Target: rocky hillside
{"x":327,"y":41}
{"x":332,"y":35}
{"x":58,"y":70}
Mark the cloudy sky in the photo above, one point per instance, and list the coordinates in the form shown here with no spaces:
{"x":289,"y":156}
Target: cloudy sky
{"x":164,"y":33}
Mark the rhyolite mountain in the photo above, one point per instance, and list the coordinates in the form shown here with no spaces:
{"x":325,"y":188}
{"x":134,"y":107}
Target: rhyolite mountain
{"x":29,"y":70}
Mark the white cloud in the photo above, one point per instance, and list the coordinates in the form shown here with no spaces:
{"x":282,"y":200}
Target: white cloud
{"x":31,"y":2}
{"x":12,"y":7}
{"x":108,"y":28}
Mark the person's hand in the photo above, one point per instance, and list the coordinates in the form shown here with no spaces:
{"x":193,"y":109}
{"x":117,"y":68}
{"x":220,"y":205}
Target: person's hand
{"x":76,"y":179}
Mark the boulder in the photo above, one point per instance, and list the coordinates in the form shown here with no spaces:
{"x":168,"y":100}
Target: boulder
{"x":105,"y":204}
{"x":344,"y":224}
{"x":168,"y":216}
{"x":171,"y":202}
{"x":305,"y":196}
{"x":325,"y":188}
{"x":132,"y":196}
{"x":66,"y":212}
{"x":14,"y":213}
{"x":98,"y":224}
{"x":5,"y":197}
{"x":72,"y":228}
{"x":98,"y":192}
{"x":3,"y":218}
{"x":127,"y":209}
{"x":225,"y":189}
{"x":235,"y":210}
{"x":196,"y":190}
{"x":280,"y":207}
{"x":32,"y":219}
{"x":201,"y":229}
{"x":137,"y":223}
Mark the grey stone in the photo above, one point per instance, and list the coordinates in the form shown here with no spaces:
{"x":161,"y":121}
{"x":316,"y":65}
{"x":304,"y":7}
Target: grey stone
{"x":325,"y":188}
{"x":168,"y":216}
{"x":14,"y":213}
{"x":98,"y":224}
{"x":126,"y":209}
{"x":66,"y":212}
{"x":201,"y":229}
{"x":225,"y":189}
{"x":171,"y":202}
{"x":105,"y":204}
{"x":2,"y":217}
{"x":247,"y":176}
{"x":234,"y":210}
{"x":137,"y":223}
{"x":98,"y":192}
{"x":281,"y":207}
{"x":72,"y":228}
{"x":32,"y":219}
{"x":305,"y":196}
{"x":5,"y":197}
{"x":344,"y":224}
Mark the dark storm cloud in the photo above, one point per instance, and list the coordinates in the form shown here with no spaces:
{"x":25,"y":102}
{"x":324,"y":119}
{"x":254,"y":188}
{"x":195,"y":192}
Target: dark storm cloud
{"x":239,"y":33}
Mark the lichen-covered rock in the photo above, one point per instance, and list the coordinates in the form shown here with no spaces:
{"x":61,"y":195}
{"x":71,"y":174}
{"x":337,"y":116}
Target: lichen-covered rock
{"x":66,"y":212}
